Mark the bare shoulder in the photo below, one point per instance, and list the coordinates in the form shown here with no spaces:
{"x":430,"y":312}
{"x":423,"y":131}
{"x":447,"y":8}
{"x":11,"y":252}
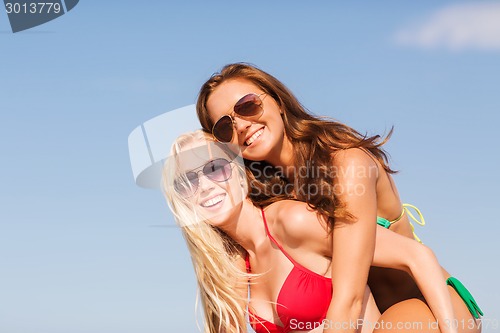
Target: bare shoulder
{"x":297,"y":223}
{"x":355,"y":162}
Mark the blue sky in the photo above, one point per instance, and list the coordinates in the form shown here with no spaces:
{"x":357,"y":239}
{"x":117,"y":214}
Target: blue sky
{"x":83,"y":249}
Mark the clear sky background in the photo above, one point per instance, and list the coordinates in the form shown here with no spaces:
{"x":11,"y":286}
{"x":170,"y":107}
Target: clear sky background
{"x":85,"y":250}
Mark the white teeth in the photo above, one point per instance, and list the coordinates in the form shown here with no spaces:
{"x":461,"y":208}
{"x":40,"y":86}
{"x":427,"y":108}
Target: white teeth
{"x":254,"y":137}
{"x":214,"y":201}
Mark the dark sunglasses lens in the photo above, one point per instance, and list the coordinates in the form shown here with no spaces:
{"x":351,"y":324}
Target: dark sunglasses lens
{"x":223,"y":129}
{"x":187,"y":185}
{"x":218,"y":170}
{"x":249,"y":105}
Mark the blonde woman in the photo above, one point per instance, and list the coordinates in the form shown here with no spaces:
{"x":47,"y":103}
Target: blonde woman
{"x":282,"y":252}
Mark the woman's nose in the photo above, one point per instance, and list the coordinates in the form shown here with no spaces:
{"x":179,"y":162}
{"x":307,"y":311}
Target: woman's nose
{"x":205,"y":184}
{"x":241,"y":125}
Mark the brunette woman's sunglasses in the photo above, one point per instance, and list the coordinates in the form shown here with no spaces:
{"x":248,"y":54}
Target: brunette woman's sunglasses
{"x":218,"y":170}
{"x":247,"y":107}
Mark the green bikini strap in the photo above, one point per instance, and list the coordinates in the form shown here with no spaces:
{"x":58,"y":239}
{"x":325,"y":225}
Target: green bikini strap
{"x":383,"y":222}
{"x":466,"y":296}
{"x":406,"y":208}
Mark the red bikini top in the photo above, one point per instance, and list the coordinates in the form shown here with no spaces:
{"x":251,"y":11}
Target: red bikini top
{"x":302,"y":302}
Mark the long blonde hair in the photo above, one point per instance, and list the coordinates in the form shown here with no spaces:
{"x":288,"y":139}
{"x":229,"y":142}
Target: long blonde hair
{"x":213,"y":253}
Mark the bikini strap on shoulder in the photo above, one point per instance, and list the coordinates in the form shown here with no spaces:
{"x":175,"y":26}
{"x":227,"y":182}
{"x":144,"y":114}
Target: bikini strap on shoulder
{"x":276,"y":242}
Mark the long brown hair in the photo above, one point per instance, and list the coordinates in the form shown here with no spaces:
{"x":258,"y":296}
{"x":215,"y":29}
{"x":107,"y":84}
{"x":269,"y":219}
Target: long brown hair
{"x":313,"y":139}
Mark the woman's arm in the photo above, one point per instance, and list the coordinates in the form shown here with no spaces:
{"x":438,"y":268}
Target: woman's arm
{"x":353,"y":241}
{"x":395,"y":251}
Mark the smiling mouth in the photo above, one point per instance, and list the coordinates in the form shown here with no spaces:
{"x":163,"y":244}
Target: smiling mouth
{"x":213,"y":201}
{"x":254,"y":137}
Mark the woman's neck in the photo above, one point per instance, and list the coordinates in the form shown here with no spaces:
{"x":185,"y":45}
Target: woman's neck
{"x":248,"y":229}
{"x":282,"y":157}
